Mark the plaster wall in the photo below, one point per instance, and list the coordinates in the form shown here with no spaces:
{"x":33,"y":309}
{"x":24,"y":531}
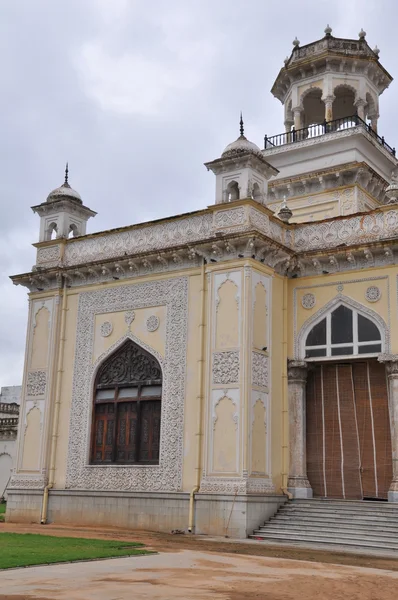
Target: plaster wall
{"x":320,"y":153}
{"x":7,"y":457}
{"x":340,"y":201}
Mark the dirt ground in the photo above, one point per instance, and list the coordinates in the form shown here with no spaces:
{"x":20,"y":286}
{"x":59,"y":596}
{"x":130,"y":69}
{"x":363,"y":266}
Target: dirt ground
{"x":198,"y":568}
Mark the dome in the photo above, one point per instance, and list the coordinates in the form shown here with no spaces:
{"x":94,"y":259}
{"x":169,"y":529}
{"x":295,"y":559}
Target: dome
{"x":241,"y":146}
{"x":64,"y":191}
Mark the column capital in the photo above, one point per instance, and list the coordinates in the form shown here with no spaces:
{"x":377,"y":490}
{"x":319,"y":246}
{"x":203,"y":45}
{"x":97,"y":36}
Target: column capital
{"x":297,"y":370}
{"x":360,"y":102}
{"x":297,"y":109}
{"x":330,"y":98}
{"x":391,"y":362}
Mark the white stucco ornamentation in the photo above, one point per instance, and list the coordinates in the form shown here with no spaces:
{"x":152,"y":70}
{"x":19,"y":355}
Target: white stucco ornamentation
{"x":259,"y":369}
{"x":167,"y":476}
{"x":140,"y":239}
{"x":229,"y":218}
{"x":106,"y":328}
{"x":373,"y":293}
{"x":152,"y":323}
{"x":129,"y":317}
{"x":225,"y":367}
{"x":308,"y":301}
{"x":48,"y":255}
{"x":36,"y":383}
{"x":238,"y":485}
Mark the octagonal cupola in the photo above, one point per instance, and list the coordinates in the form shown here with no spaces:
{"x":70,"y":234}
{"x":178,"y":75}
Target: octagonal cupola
{"x":331,"y":79}
{"x":242,"y":171}
{"x":63,"y":215}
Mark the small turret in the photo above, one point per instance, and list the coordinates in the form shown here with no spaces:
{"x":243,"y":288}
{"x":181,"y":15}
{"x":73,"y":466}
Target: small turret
{"x":63,"y":215}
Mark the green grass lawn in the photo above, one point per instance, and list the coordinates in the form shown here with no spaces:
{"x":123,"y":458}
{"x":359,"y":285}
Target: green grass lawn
{"x":23,"y":549}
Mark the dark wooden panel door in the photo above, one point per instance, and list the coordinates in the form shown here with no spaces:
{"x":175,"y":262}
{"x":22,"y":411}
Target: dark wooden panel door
{"x":150,"y":430}
{"x":126,"y":432}
{"x":348,"y":432}
{"x":104,"y":433}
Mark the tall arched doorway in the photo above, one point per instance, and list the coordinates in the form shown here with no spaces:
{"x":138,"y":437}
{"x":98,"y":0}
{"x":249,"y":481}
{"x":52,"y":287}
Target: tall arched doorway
{"x":348,"y":438}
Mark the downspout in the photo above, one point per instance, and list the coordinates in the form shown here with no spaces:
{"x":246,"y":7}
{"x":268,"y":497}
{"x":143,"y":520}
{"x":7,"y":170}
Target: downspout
{"x":285,"y":408}
{"x":199,"y":401}
{"x":53,"y":451}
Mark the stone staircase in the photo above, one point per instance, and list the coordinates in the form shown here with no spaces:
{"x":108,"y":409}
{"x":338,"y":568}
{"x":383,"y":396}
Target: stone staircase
{"x":367,"y":525}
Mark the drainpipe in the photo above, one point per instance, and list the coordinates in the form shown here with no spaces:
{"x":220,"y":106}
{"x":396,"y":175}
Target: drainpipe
{"x":51,"y":474}
{"x":199,"y":402}
{"x":285,"y":409}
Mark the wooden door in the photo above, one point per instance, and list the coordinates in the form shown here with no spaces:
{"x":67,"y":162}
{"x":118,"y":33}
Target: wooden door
{"x":348,"y":432}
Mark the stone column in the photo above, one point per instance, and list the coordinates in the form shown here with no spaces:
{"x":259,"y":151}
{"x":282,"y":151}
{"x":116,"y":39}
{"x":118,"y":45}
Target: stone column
{"x":288,"y":125}
{"x":297,"y":117}
{"x":328,"y":108}
{"x":391,"y":362}
{"x":373,"y":122}
{"x":297,"y":484}
{"x":360,"y":106}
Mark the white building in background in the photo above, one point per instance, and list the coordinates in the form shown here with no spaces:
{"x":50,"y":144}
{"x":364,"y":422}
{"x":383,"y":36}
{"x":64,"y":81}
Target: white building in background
{"x":10,"y":399}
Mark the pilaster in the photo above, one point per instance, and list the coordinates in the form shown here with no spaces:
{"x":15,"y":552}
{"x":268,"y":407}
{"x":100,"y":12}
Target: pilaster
{"x":391,"y":363}
{"x":298,"y":483}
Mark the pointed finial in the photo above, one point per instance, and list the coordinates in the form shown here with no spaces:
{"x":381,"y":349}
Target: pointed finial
{"x":296,"y":42}
{"x":242,"y":130}
{"x":362,"y":34}
{"x":66,"y":174}
{"x":376,"y":50}
{"x":328,"y":30}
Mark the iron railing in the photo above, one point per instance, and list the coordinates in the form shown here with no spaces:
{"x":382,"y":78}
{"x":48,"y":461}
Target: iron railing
{"x":298,"y":135}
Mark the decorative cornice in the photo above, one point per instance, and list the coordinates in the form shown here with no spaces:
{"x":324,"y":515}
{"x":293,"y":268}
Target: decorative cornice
{"x":223,"y":233}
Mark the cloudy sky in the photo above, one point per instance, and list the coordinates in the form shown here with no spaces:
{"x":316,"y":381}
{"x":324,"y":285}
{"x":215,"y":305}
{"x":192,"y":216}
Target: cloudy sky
{"x":137,"y":95}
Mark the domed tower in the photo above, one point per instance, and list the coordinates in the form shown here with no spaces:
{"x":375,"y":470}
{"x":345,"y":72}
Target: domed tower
{"x":63,"y":214}
{"x":241,"y":172}
{"x":331,"y":153}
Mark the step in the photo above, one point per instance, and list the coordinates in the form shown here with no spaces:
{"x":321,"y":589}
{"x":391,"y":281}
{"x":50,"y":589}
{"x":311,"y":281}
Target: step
{"x":336,"y":511}
{"x":341,"y":522}
{"x":324,"y":540}
{"x":343,"y":505}
{"x":337,"y":515}
{"x":332,"y":532}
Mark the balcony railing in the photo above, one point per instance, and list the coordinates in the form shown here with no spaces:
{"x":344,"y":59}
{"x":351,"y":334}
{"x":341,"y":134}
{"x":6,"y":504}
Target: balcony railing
{"x":299,"y":135}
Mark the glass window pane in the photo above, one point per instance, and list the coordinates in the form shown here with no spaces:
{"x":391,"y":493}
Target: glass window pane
{"x":151,"y":390}
{"x":342,"y":325}
{"x":105,"y":394}
{"x":315,"y":352}
{"x":370,"y":349}
{"x":367,"y":331}
{"x":130,"y":392}
{"x":317,"y":335}
{"x":343,"y":351}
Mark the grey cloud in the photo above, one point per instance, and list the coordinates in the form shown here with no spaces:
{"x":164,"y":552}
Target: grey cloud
{"x":203,"y":61}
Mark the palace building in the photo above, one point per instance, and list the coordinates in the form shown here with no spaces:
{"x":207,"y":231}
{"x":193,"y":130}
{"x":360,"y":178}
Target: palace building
{"x":200,"y":371}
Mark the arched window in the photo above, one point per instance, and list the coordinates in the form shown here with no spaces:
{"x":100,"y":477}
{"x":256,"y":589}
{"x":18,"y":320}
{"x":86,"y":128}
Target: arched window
{"x":232,"y":191}
{"x":343,"y":332}
{"x":127,"y":407}
{"x":52,"y":231}
{"x":73,"y":231}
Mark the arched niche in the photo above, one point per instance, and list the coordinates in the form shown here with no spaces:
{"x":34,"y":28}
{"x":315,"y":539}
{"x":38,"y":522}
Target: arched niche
{"x":126,"y":418}
{"x":344,"y":101}
{"x":313,"y":107}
